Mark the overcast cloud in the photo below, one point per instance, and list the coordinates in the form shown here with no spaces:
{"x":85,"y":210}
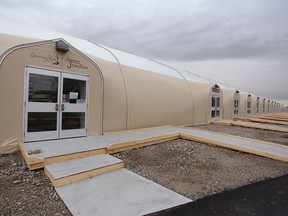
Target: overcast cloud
{"x":240,"y":43}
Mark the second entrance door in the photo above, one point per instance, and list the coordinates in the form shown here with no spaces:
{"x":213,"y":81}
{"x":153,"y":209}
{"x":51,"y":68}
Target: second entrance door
{"x":215,"y":108}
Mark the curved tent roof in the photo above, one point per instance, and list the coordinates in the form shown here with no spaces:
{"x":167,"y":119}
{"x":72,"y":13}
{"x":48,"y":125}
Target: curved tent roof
{"x":193,"y":77}
{"x":36,"y":34}
{"x":39,"y":34}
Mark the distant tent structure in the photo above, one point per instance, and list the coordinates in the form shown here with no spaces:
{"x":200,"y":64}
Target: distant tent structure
{"x":246,"y":102}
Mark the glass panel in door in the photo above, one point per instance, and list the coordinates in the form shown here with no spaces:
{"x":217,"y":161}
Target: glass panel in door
{"x":236,"y":106}
{"x":42,"y":121}
{"x":41,"y":104}
{"x":43,"y":88}
{"x":73,"y":120}
{"x":74,"y":105}
{"x":218,"y":102}
{"x":215,"y":108}
{"x":213,"y":111}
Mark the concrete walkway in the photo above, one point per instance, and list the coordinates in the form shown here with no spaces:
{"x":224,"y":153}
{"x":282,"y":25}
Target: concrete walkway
{"x":55,"y":148}
{"x":238,"y":143}
{"x":261,"y":126}
{"x":136,"y":138}
{"x":121,"y":192}
{"x":267,"y":121}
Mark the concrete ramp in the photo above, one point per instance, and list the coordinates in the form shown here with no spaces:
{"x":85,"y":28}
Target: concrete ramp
{"x":273,"y":118}
{"x":268,"y":121}
{"x":261,"y":126}
{"x":121,"y":192}
{"x":257,"y":147}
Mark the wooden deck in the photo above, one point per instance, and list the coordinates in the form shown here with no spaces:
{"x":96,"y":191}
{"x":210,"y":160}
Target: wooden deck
{"x":51,"y":152}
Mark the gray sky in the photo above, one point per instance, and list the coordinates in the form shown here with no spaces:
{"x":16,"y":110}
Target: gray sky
{"x":243,"y":43}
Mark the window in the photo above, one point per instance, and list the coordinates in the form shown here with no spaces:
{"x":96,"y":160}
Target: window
{"x":248,"y":107}
{"x":43,"y":88}
{"x":213,"y":102}
{"x":236,"y":106}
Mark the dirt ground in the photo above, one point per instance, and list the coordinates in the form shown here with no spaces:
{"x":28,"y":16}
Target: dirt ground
{"x":192,"y":169}
{"x":24,"y":192}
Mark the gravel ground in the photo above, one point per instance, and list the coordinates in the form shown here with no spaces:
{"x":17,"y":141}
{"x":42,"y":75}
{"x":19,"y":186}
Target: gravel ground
{"x":197,"y":170}
{"x":192,"y":169}
{"x":24,"y":192}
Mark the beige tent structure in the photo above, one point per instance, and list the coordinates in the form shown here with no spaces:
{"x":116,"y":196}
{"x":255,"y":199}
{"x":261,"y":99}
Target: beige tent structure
{"x":216,"y":104}
{"x":57,"y":86}
{"x":246,"y":104}
{"x":253,"y":104}
{"x":267,"y":105}
{"x":204,"y":94}
{"x":230,"y":102}
{"x":258,"y":105}
{"x":264,"y":108}
{"x":272,"y":106}
{"x":275,"y":106}
{"x":279,"y":107}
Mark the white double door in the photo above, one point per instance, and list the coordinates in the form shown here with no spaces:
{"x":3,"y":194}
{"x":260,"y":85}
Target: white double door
{"x":236,"y":108}
{"x":55,"y":105}
{"x":215,"y":108}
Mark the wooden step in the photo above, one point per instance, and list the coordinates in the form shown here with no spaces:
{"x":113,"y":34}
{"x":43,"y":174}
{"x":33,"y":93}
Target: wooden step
{"x":67,"y":172}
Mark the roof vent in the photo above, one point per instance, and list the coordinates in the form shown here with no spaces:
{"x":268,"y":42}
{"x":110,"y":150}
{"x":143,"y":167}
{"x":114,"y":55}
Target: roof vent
{"x":61,"y":46}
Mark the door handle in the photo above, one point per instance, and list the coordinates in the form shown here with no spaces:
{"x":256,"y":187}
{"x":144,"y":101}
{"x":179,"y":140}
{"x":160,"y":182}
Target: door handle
{"x":56,"y":107}
{"x":63,"y":107}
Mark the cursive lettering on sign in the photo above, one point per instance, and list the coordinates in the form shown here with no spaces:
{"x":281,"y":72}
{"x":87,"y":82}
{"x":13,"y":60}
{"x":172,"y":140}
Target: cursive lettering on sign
{"x":72,"y":63}
{"x":46,"y":58}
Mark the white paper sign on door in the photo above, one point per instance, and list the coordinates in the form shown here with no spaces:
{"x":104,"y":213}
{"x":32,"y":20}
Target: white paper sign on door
{"x":73,"y":95}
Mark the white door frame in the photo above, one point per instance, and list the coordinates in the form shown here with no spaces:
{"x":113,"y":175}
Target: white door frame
{"x":258,"y":106}
{"x":81,"y":107}
{"x":216,"y":108}
{"x":235,"y":108}
{"x":53,"y":107}
{"x":249,"y":106}
{"x":34,"y":107}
